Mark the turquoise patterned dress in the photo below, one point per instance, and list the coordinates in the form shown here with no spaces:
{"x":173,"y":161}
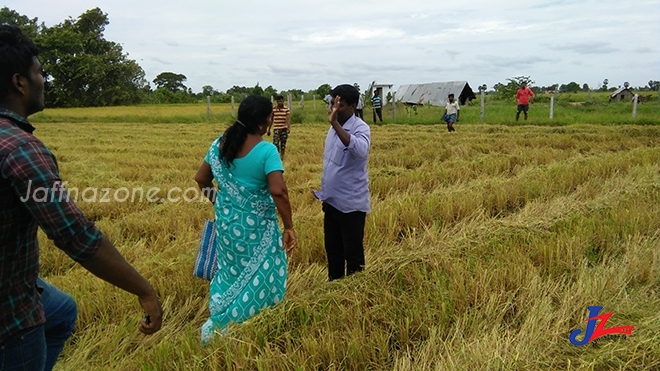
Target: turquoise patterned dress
{"x":252,"y":265}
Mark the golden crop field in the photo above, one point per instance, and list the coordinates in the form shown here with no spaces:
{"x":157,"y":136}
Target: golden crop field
{"x":484,"y":248}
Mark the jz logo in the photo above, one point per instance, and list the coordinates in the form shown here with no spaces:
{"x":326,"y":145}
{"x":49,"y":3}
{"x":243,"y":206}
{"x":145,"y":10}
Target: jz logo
{"x":594,"y":331}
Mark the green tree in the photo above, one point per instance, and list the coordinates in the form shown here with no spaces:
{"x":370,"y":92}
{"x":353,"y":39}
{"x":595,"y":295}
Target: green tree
{"x":508,"y":91}
{"x":295,"y":93}
{"x":28,"y":26}
{"x":270,"y":91}
{"x":171,"y":81}
{"x":83,"y":69}
{"x":238,"y":92}
{"x":257,"y":90}
{"x":571,"y":87}
{"x":323,"y":90}
{"x":605,"y":83}
{"x":208,"y":91}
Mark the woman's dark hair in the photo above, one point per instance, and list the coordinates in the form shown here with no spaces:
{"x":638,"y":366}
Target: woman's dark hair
{"x":253,"y":111}
{"x":16,"y":56}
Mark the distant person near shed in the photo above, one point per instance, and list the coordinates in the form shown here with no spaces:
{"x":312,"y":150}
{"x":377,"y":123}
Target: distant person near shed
{"x":452,"y":113}
{"x":377,"y":104}
{"x":359,"y":109}
{"x":522,"y":95}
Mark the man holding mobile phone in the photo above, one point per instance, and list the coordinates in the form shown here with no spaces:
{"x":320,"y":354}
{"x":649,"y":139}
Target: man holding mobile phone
{"x":345,"y":184}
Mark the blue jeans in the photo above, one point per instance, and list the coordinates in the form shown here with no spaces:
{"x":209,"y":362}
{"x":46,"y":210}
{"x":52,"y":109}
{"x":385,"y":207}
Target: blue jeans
{"x":37,"y":348}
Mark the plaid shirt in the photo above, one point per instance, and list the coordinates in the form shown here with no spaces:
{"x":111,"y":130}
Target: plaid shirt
{"x":31,"y":195}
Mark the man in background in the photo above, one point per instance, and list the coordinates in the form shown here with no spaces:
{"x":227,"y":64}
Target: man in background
{"x":359,"y":109}
{"x":522,"y":95}
{"x":377,"y":104}
{"x":36,"y":318}
{"x":281,"y":124}
{"x":452,"y":113}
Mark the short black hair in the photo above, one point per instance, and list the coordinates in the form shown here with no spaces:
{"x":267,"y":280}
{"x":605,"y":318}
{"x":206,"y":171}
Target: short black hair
{"x":17,"y":54}
{"x":278,"y":97}
{"x":450,"y":95}
{"x":348,"y":93}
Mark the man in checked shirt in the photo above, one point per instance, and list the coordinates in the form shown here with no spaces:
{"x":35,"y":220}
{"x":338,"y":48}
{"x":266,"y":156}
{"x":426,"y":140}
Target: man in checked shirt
{"x":35,"y":317}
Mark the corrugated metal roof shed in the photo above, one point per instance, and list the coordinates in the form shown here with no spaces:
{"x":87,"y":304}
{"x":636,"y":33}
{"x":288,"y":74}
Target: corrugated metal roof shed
{"x":434,"y":93}
{"x":617,"y":91}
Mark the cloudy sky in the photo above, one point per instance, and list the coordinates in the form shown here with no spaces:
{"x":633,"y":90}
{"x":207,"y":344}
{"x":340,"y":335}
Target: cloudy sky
{"x":295,"y":44}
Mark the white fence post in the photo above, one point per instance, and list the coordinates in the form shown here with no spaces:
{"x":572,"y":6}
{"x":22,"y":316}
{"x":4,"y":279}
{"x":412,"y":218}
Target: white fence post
{"x":232,"y":105}
{"x":289,"y":101}
{"x":635,"y":98}
{"x":552,"y":106}
{"x":483,"y":95}
{"x":394,"y":105}
{"x":208,"y":105}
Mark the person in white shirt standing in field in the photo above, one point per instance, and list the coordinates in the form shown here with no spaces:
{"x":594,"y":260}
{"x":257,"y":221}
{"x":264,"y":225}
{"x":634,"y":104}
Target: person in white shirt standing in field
{"x":359,"y":109}
{"x":452,"y":113}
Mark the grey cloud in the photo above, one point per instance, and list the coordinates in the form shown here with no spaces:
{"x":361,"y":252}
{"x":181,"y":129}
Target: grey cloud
{"x":161,"y":61}
{"x":643,"y":50}
{"x":516,"y":62}
{"x":587,"y":48}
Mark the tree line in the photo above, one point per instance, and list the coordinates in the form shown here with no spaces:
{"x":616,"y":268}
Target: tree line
{"x":83,"y":69}
{"x":508,"y":90}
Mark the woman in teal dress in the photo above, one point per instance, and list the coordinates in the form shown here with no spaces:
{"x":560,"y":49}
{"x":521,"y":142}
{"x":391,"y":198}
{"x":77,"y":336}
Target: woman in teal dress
{"x":252,"y":252}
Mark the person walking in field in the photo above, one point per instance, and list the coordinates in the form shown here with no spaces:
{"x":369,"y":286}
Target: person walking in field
{"x":523,"y":96}
{"x":345,"y":184}
{"x":251,"y":250}
{"x":36,"y":318}
{"x":359,"y":109}
{"x":452,"y":113}
{"x":377,"y":106}
{"x":281,"y":124}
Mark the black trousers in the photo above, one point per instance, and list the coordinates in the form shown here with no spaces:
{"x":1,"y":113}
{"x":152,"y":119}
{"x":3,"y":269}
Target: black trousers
{"x":359,"y":112}
{"x":379,"y":112}
{"x":343,"y":234}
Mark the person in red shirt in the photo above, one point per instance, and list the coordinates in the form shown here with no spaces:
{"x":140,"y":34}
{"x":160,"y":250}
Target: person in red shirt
{"x":522,"y":95}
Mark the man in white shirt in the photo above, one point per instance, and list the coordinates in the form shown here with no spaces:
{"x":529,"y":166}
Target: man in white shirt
{"x":359,"y":108}
{"x":452,"y":113}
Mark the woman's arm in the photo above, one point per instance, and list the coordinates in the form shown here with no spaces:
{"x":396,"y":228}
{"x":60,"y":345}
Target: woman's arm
{"x":281,"y":197}
{"x":204,"y":179}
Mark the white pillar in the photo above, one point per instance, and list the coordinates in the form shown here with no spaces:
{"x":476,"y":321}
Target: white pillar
{"x":208,"y":105}
{"x":635,"y":105}
{"x":552,"y":106}
{"x":483,"y":94}
{"x":394,"y":105}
